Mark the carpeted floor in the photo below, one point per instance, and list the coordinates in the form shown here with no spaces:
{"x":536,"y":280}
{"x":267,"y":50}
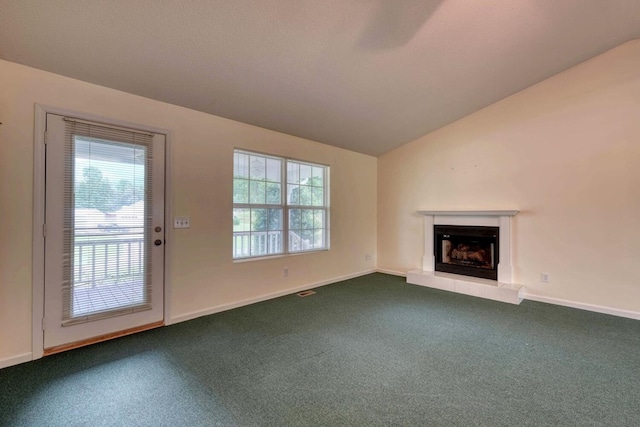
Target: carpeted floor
{"x":371,"y":351}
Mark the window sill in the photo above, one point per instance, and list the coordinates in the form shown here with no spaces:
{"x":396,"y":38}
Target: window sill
{"x":260,"y":258}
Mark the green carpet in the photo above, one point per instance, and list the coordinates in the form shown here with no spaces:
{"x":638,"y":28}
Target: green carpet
{"x":371,"y":351}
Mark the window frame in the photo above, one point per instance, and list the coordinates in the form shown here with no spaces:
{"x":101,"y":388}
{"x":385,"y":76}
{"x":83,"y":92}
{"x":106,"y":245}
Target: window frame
{"x":285,"y":207}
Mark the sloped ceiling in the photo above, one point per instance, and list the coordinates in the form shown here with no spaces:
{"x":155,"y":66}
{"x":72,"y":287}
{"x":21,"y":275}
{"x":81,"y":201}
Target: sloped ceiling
{"x":365,"y":75}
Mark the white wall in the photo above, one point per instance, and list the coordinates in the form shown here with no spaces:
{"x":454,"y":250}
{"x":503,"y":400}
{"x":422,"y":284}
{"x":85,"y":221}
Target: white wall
{"x":202,"y":274}
{"x":566,"y":152}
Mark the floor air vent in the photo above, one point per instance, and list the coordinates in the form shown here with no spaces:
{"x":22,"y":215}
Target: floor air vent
{"x":305,"y":293}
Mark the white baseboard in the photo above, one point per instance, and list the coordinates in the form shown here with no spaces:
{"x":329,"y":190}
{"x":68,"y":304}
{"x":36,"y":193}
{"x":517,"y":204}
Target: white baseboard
{"x":392,"y":272}
{"x":584,"y":306}
{"x":230,"y":306}
{"x":16,"y":360}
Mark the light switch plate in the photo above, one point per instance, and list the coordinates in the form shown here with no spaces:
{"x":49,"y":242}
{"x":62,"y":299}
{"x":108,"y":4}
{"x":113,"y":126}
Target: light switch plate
{"x":181,"y":222}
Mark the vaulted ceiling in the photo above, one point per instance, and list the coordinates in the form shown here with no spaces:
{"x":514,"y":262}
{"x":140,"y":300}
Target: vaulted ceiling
{"x":365,"y":75}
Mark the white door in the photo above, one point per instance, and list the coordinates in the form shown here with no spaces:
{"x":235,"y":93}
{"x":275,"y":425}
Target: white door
{"x":104,"y":244}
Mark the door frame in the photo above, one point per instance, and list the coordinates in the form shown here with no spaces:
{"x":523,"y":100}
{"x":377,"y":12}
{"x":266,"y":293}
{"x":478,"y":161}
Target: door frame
{"x":38,"y":253}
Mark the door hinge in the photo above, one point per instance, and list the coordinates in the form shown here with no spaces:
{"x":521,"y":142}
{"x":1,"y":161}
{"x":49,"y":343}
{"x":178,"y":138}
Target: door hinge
{"x":43,"y":324}
{"x":44,"y":230}
{"x":45,"y":137}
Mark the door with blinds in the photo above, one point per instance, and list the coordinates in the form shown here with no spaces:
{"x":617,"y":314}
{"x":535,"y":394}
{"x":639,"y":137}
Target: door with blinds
{"x":104,"y":231}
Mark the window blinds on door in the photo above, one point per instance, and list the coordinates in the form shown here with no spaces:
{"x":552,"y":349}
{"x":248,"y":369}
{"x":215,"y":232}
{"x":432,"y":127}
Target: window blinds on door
{"x":107,"y":221}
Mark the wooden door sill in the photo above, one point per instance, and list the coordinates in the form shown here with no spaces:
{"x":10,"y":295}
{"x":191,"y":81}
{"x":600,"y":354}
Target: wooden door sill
{"x":77,"y":344}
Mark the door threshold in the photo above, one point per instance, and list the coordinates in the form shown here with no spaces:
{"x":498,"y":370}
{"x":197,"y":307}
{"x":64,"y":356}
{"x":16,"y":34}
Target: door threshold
{"x":77,"y":344}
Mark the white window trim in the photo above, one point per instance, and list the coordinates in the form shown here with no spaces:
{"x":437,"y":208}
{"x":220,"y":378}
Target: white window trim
{"x":287,"y":207}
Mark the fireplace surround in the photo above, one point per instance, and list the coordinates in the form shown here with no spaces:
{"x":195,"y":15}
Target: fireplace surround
{"x":500,"y":286}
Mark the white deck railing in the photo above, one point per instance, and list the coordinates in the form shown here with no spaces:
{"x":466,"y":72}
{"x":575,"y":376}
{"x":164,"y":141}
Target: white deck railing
{"x":264,"y":243}
{"x":100,"y":261}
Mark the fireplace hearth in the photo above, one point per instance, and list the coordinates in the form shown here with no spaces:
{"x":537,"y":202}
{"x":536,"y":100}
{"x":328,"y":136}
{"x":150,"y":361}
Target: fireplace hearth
{"x":467,"y":250}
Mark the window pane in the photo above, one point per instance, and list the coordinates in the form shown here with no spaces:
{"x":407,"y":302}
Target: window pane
{"x":294,"y":219}
{"x":305,"y":196}
{"x":240,"y":191}
{"x":258,"y":219}
{"x":240,"y":165}
{"x":241,"y":219}
{"x":318,"y":219}
{"x":241,"y":245}
{"x":300,"y":240}
{"x":317,"y":176}
{"x":293,"y":194}
{"x":307,"y":239}
{"x":305,"y":174}
{"x":258,"y":244}
{"x":318,"y":239}
{"x":274,"y":170}
{"x":306,"y":219}
{"x":273,"y":193}
{"x":275,"y":219}
{"x":258,"y":168}
{"x":295,"y":241}
{"x":257,"y":192}
{"x":293,"y":173}
{"x":317,"y":196}
{"x":275,"y":242}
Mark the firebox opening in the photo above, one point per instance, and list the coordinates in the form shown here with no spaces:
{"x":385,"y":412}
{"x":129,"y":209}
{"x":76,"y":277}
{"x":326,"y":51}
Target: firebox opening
{"x":467,"y":250}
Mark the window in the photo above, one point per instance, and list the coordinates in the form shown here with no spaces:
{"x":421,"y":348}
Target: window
{"x":275,"y":197}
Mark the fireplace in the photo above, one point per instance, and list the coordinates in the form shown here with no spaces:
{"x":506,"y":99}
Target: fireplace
{"x":481,"y":264}
{"x":467,"y":250}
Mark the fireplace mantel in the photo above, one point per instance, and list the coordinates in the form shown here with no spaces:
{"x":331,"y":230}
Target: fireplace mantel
{"x":503,"y":289}
{"x":469,"y":213}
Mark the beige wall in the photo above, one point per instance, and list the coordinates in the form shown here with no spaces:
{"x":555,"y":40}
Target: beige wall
{"x":566,"y":152}
{"x":202,"y":274}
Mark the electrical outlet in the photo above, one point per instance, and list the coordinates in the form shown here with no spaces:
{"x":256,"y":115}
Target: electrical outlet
{"x":367,"y":257}
{"x":285,"y":272}
{"x":545,"y":277}
{"x":181,"y":222}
